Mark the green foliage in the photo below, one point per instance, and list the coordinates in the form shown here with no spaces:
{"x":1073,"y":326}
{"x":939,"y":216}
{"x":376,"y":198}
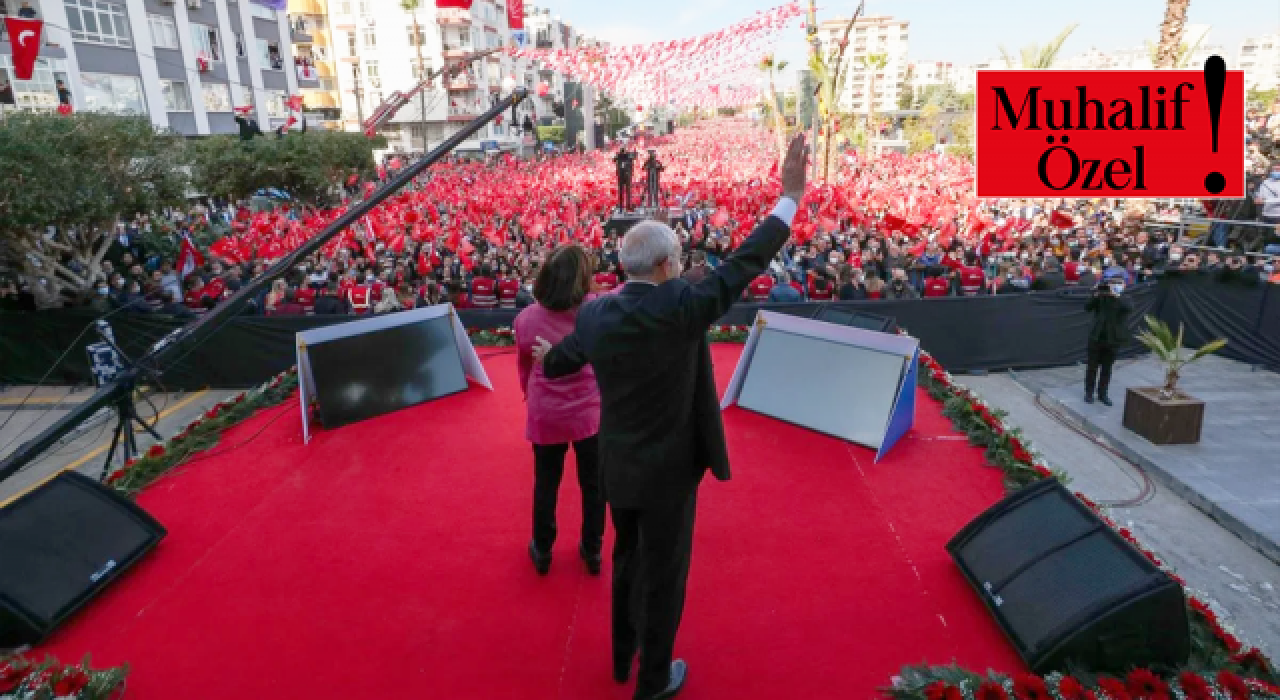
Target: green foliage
{"x":80,"y":172}
{"x":554,"y":134}
{"x":1168,"y":349}
{"x":922,"y":131}
{"x":38,"y":680}
{"x":1036,"y":57}
{"x":310,"y":166}
{"x":1260,"y":97}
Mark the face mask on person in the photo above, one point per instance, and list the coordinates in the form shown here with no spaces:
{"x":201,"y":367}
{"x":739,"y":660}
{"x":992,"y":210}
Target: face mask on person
{"x":1275,"y":175}
{"x":103,"y":291}
{"x":1117,"y":288}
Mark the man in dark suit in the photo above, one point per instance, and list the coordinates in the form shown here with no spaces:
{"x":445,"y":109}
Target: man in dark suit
{"x":660,"y":426}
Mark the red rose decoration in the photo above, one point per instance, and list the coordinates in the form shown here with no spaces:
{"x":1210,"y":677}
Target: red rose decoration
{"x":129,"y":462}
{"x":1044,"y":471}
{"x":940,"y":690}
{"x":1196,"y":687}
{"x":1145,"y":684}
{"x":64,"y":110}
{"x":1070,"y":689}
{"x":213,"y":412}
{"x":41,"y":679}
{"x":156,"y":450}
{"x":115,"y":476}
{"x":1114,"y":689}
{"x":1253,"y":657}
{"x":1030,"y":687}
{"x":11,"y":676}
{"x":238,"y":399}
{"x":1234,"y":685}
{"x":73,"y":680}
{"x":990,"y":690}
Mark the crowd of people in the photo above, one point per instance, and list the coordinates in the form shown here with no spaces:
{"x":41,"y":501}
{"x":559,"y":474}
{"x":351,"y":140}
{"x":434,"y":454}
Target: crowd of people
{"x":474,"y":233}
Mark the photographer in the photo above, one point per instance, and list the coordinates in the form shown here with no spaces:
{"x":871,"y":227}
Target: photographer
{"x":1109,"y":331}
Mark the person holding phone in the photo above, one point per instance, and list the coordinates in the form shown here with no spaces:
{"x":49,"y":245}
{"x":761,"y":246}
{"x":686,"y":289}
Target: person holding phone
{"x":1106,"y":336}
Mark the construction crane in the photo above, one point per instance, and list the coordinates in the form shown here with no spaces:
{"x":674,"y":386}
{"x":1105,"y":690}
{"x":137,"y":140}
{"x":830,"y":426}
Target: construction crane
{"x":392,"y":104}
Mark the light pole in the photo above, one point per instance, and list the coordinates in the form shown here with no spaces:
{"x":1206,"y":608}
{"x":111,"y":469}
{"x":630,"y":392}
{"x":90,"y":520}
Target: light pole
{"x":355,"y":72}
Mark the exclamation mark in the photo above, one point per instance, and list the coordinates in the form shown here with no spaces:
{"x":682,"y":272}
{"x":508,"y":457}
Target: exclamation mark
{"x":1215,"y":83}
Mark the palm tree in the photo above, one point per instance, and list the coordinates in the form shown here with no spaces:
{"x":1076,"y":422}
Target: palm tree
{"x":873,"y":63}
{"x":772,"y":67}
{"x":1040,"y":57}
{"x":411,"y":6}
{"x":831,"y":76}
{"x":1168,"y":349}
{"x":1185,"y":51}
{"x":1175,"y":18}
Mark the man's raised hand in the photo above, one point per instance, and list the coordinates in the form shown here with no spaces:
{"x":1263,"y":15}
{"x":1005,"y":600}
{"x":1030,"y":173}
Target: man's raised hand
{"x":794,"y":167}
{"x":540,"y":349}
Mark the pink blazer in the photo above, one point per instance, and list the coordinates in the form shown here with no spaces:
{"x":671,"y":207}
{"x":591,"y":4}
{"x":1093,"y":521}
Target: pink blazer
{"x":557,"y":410}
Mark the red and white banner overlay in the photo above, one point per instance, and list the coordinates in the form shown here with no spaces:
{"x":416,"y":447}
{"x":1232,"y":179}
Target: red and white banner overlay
{"x":1157,"y":133}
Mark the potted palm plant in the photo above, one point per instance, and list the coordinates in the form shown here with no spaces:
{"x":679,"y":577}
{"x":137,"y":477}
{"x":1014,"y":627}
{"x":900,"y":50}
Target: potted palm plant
{"x":1166,"y":415}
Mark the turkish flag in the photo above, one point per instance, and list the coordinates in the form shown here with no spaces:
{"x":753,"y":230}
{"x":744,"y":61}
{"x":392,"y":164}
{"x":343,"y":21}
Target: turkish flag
{"x":1060,"y":220}
{"x":24,"y":37}
{"x":515,"y":14}
{"x":460,"y":4}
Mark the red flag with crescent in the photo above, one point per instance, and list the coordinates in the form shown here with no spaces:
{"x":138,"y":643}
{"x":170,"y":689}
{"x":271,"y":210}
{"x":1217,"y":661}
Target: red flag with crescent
{"x":24,"y":38}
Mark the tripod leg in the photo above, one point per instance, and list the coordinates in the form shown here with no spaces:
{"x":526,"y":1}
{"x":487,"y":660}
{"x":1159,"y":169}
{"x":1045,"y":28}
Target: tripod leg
{"x":111,"y":452}
{"x":147,"y":426}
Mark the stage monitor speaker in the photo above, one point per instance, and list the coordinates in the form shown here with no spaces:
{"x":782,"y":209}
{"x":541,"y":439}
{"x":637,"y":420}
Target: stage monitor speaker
{"x":60,"y":545}
{"x":846,"y":382}
{"x":1067,"y":588}
{"x":856,"y":319}
{"x":377,"y":365}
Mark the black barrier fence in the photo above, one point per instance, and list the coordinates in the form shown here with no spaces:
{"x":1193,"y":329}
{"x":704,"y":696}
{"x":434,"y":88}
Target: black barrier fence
{"x":1016,"y":331}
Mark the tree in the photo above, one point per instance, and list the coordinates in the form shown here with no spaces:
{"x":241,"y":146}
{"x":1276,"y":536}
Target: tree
{"x":1184,"y":54}
{"x":908,"y":98}
{"x":309,"y":166}
{"x":829,"y":72}
{"x":1258,"y":96}
{"x":962,"y":130}
{"x":873,"y":63}
{"x":943,"y":96}
{"x":411,"y":7}
{"x":1175,"y":19}
{"x":922,"y":132}
{"x":80,"y":174}
{"x":771,"y":67}
{"x":1036,"y":57}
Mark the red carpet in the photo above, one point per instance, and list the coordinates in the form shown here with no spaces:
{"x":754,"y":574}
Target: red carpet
{"x":387,"y":560}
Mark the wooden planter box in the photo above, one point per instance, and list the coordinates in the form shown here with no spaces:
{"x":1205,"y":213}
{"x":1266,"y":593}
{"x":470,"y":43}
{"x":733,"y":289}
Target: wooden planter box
{"x":1176,"y":421}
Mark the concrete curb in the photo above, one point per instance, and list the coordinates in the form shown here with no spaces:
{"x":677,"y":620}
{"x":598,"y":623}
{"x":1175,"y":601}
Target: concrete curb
{"x":1250,"y":536}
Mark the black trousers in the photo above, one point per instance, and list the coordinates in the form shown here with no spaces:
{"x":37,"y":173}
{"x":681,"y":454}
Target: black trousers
{"x":624,"y":193}
{"x":1097,"y":372}
{"x":651,"y":556}
{"x":548,"y":465}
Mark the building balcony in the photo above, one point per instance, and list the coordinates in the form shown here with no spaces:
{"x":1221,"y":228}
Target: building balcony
{"x":453,"y":17}
{"x":464,"y":114}
{"x":307,"y":75}
{"x":454,"y":51}
{"x":462,"y":84}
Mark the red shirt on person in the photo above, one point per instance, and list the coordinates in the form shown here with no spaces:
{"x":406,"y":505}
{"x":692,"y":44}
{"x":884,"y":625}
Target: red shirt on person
{"x":760,"y":287}
{"x":358,"y":296}
{"x":825,"y":294}
{"x":194,"y":299}
{"x":937,"y":286}
{"x":306,"y":297}
{"x":508,"y":290}
{"x":606,"y":282}
{"x":1071,"y":272}
{"x":484,"y":293}
{"x":972,"y":280}
{"x":215,"y":290}
{"x":797,"y":286}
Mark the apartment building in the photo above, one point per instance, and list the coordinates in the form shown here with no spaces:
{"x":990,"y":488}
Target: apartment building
{"x":1260,"y":61}
{"x":376,"y":49}
{"x":314,"y":62}
{"x":185,"y":64}
{"x":867,"y":85}
{"x":925,"y":74}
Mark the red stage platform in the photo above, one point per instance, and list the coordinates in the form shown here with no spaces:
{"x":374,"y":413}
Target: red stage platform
{"x":387,"y":560}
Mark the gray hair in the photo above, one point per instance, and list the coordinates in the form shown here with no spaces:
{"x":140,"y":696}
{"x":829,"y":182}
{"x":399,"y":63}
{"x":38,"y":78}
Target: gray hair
{"x":647,"y":244}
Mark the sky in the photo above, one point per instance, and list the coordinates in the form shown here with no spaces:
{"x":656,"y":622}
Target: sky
{"x":940,"y":30}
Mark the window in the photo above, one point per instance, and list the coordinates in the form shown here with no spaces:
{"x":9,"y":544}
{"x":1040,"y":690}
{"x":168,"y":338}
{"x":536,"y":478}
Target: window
{"x":369,"y":36}
{"x":371,"y":69}
{"x":205,"y":40}
{"x":217,"y":97}
{"x":420,"y":39}
{"x":277,"y":105}
{"x":164,"y":33}
{"x":420,"y":74}
{"x":176,"y":97}
{"x":344,"y":7}
{"x":262,"y":11}
{"x":269,"y":54}
{"x":240,"y":52}
{"x":120,"y":94}
{"x":98,"y":22}
{"x":351,"y":43}
{"x":364,"y":7}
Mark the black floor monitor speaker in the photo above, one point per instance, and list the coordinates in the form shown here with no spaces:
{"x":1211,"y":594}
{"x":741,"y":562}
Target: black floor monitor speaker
{"x":857,"y":319}
{"x":1065,"y":587}
{"x":60,"y":545}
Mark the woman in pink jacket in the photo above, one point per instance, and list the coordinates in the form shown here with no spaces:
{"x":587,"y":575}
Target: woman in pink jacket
{"x":560,"y":411}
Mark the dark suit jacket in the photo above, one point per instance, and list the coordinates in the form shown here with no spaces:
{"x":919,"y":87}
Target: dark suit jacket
{"x":660,"y":423}
{"x":1110,"y":319}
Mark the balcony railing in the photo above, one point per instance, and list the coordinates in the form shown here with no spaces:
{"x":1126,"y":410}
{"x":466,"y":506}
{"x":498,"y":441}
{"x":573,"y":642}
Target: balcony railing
{"x":453,"y":17}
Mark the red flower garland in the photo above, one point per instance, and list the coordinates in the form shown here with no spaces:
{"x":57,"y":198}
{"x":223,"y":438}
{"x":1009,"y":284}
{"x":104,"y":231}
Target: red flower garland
{"x":1196,"y":687}
{"x":1115,"y":689}
{"x":1030,"y":687}
{"x":990,"y":691}
{"x":1234,"y":686}
{"x":1146,"y":685}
